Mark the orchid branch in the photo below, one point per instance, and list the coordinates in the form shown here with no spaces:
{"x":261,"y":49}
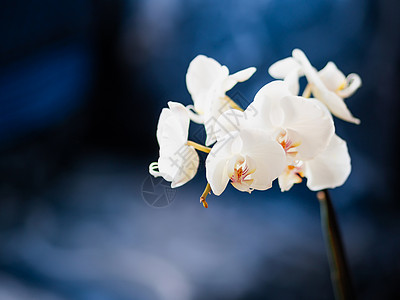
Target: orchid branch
{"x":307,"y":91}
{"x":199,"y":147}
{"x":233,"y":104}
{"x":340,"y":275}
{"x":203,"y":197}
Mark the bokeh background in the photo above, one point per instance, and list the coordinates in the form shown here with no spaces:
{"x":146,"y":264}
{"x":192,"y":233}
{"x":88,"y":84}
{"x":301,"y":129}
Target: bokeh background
{"x":82,"y":84}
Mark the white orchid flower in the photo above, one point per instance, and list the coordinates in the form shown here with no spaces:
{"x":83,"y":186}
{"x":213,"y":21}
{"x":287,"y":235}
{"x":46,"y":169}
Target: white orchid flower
{"x":329,"y":169}
{"x":178,"y":162}
{"x":329,"y":85}
{"x":249,"y":158}
{"x":302,"y":126}
{"x":305,"y":130}
{"x":207,"y":82}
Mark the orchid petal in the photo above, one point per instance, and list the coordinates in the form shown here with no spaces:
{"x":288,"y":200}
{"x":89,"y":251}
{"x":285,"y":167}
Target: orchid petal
{"x":265,"y":107}
{"x":334,"y":103}
{"x":308,"y":123}
{"x":292,"y":80}
{"x":216,"y":165}
{"x":180,"y":167}
{"x":213,"y":112}
{"x":240,"y":76}
{"x":166,"y":169}
{"x":202,"y":74}
{"x":287,"y":179}
{"x":272,"y":91}
{"x":181,"y":114}
{"x":188,"y":168}
{"x":199,"y":119}
{"x":173,"y":127}
{"x":329,"y":169}
{"x":353,"y":83}
{"x":266,"y":157}
{"x":283,"y":68}
{"x":332,"y":77}
{"x":230,"y":121}
{"x":309,"y":71}
{"x":243,"y":75}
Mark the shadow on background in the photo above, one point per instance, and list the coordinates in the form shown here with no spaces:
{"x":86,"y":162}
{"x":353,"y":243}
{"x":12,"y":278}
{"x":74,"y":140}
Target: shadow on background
{"x":82,"y":84}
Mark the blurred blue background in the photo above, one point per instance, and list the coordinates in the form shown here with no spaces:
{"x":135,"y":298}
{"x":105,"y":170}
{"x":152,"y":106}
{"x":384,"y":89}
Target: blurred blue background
{"x":82,"y":84}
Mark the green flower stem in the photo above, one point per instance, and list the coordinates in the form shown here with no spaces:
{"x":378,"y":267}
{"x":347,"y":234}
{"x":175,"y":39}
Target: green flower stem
{"x":340,"y":275}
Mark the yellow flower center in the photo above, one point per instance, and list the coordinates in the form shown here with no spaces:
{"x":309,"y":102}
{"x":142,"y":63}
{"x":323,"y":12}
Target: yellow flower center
{"x":287,"y":144}
{"x":241,"y":172}
{"x":342,"y":86}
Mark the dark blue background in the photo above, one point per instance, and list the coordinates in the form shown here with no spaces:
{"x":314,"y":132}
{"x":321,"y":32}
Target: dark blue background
{"x":82,"y":84}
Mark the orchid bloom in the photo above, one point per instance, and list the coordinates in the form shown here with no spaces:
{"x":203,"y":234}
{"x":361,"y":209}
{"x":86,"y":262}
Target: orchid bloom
{"x":178,"y":162}
{"x":279,"y":136}
{"x":248,"y":158}
{"x":328,"y":169}
{"x":329,"y":85}
{"x":207,"y":82}
{"x":303,"y":127}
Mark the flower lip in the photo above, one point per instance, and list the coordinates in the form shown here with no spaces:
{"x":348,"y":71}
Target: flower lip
{"x":287,"y":144}
{"x":293,"y":174}
{"x":241,"y":177}
{"x":241,"y":172}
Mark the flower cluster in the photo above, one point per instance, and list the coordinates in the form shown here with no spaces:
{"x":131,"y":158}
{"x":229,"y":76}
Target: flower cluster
{"x":280,"y":135}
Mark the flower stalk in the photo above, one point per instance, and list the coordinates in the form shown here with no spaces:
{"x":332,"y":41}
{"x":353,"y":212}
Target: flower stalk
{"x":307,"y":91}
{"x":199,"y":147}
{"x":340,"y":275}
{"x":233,"y":104}
{"x":203,"y":197}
